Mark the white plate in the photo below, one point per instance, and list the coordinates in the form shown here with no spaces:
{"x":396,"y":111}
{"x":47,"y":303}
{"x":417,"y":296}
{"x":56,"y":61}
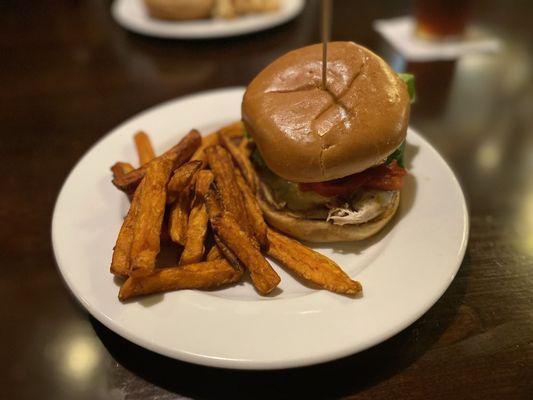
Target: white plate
{"x":132,"y":15}
{"x":403,"y":271}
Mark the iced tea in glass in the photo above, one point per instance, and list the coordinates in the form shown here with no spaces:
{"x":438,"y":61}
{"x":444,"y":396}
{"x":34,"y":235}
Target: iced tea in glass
{"x":441,"y":19}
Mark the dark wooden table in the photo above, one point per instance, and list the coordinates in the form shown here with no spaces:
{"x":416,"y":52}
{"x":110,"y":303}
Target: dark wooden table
{"x":69,"y":74}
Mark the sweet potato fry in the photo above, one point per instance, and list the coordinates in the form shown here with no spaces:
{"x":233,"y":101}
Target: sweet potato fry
{"x":231,"y":131}
{"x":181,"y":179}
{"x":145,"y":151}
{"x":120,"y":262}
{"x":214,"y":253}
{"x":246,"y":147}
{"x":310,"y":265}
{"x":197,"y":225}
{"x":204,"y":275}
{"x":242,"y":161}
{"x":179,"y":217}
{"x":207,"y":141}
{"x":193,"y":251}
{"x":204,"y":179}
{"x":149,"y":218}
{"x":179,"y":154}
{"x":214,"y":209}
{"x":255,"y":215}
{"x":264,"y":278}
{"x":228,"y":254}
{"x":121,"y":168}
{"x":220,"y":162}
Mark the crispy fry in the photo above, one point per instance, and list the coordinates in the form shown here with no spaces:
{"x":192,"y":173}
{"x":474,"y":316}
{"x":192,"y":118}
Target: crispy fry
{"x":178,"y":154}
{"x":228,"y":254}
{"x":181,"y":179}
{"x":255,"y":215}
{"x":214,"y":209}
{"x":242,"y":161}
{"x":120,"y":262}
{"x":214,"y":253}
{"x":207,"y":141}
{"x":220,"y":162}
{"x":204,"y":179}
{"x":245,"y":147}
{"x":205,"y":275}
{"x":197,"y":223}
{"x":310,"y":265}
{"x":183,"y":175}
{"x":193,"y":251}
{"x":145,"y":151}
{"x":233,"y":130}
{"x":264,"y":278}
{"x":121,"y":168}
{"x":149,"y":218}
{"x":179,"y":217}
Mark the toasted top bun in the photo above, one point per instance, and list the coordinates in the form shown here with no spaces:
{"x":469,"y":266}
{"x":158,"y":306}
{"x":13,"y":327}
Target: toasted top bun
{"x":307,"y":134}
{"x":180,"y":9}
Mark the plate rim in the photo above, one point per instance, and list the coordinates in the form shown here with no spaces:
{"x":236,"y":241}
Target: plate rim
{"x":210,"y":361}
{"x":121,"y":20}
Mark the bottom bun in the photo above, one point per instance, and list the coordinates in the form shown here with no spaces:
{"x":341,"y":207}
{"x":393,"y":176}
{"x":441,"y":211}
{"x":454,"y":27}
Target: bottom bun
{"x":321,"y":231}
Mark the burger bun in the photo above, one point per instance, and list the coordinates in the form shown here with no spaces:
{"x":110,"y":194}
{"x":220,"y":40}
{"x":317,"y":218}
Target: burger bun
{"x":180,"y":9}
{"x":322,"y":231}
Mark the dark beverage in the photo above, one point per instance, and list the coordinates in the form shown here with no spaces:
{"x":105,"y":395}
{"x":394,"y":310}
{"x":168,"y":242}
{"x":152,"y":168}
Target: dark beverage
{"x":438,"y":19}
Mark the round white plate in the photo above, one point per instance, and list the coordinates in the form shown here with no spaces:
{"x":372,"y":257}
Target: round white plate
{"x":404,"y":270}
{"x":132,"y":15}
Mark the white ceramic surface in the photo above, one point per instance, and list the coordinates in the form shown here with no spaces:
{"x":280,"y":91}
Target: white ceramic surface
{"x":132,"y":15}
{"x":404,"y":270}
{"x":400,"y":33}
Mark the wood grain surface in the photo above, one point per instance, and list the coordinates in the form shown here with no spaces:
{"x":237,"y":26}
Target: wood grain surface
{"x":69,"y":74}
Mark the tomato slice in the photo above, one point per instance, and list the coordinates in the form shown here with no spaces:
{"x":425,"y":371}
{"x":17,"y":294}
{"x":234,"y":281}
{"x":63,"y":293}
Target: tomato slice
{"x":382,"y":177}
{"x":386,"y":177}
{"x":337,"y":187}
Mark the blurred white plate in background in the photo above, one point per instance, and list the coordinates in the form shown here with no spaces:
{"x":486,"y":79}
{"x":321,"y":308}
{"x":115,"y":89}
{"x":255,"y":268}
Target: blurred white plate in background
{"x":132,"y":15}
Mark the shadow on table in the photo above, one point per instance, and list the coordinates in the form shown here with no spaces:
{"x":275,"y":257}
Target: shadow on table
{"x":334,"y":379}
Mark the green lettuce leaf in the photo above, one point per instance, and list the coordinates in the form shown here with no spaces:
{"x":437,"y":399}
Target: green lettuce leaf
{"x":397,"y":156}
{"x":409,"y":80}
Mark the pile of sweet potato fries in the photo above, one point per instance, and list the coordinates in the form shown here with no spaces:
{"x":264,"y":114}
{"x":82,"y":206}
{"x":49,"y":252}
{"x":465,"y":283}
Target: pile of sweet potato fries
{"x":201,"y":196}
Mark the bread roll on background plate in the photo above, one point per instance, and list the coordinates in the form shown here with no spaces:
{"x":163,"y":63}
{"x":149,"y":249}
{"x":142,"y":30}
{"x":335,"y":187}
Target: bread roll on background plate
{"x":180,"y":9}
{"x":202,"y":9}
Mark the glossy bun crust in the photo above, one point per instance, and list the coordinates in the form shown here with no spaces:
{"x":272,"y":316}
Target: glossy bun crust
{"x":307,"y":134}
